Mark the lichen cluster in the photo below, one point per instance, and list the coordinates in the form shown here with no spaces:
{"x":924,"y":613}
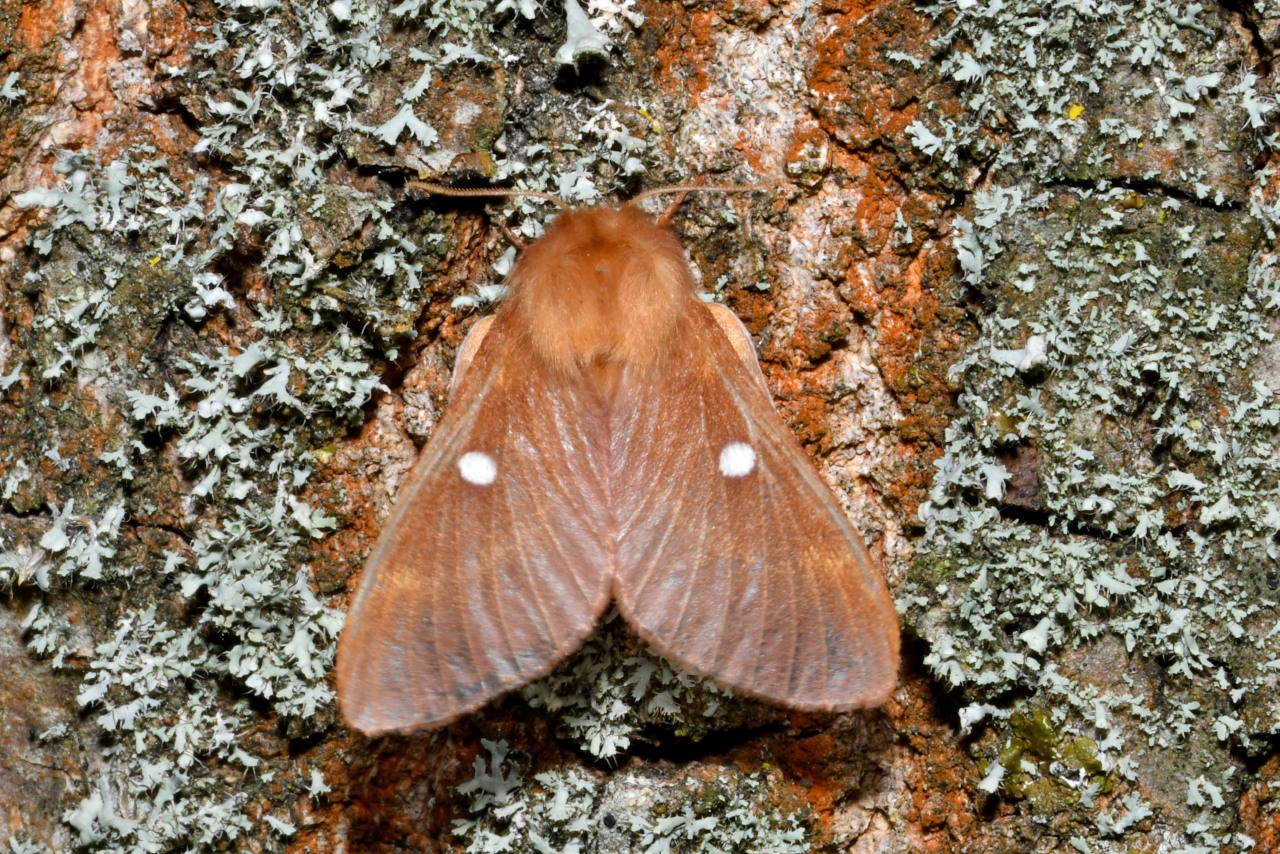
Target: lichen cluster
{"x":133,"y":281}
{"x":615,"y":689}
{"x":1098,"y":572}
{"x":220,"y":330}
{"x":568,"y":811}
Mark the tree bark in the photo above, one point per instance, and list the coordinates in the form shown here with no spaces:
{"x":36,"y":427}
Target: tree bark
{"x":1012,"y":285}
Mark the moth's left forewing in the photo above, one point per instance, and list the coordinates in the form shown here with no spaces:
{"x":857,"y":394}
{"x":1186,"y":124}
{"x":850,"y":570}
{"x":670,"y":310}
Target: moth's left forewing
{"x":494,"y":564}
{"x":735,"y":560}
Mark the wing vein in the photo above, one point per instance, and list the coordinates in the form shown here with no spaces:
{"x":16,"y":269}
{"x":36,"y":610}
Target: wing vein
{"x":698,"y":558}
{"x":734,"y":580}
{"x":796,"y":580}
{"x":515,"y":524}
{"x":573,"y":468}
{"x":727,"y":607}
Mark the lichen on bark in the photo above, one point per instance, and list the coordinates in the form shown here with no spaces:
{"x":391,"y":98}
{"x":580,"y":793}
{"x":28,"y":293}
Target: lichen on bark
{"x":1104,"y":513}
{"x":1034,"y":246}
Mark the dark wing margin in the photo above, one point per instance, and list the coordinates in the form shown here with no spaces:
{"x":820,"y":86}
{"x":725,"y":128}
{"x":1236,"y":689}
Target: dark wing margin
{"x":476,"y":587}
{"x":753,"y":578}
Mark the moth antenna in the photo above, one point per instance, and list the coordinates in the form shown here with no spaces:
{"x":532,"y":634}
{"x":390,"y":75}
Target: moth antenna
{"x":512,"y":237}
{"x":685,"y":189}
{"x":483,"y":192}
{"x":670,"y":213}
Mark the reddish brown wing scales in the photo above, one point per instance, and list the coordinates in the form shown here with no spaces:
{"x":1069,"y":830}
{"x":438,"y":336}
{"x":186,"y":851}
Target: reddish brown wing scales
{"x":479,"y":587}
{"x":735,"y":561}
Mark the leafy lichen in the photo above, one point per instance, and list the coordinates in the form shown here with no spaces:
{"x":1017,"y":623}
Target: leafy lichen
{"x":1113,"y":478}
{"x":1106,"y":508}
{"x":569,"y":811}
{"x":615,"y":690}
{"x":223,"y":330}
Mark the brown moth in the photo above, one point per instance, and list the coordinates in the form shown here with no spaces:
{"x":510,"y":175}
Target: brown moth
{"x":610,"y":438}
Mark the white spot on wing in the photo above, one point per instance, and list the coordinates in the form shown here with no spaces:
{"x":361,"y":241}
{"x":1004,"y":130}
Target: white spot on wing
{"x":737,"y":459}
{"x":479,"y":468}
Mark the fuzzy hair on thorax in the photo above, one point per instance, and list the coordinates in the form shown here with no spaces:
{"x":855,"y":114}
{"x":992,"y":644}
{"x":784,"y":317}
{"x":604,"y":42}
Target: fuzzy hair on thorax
{"x":603,"y":286}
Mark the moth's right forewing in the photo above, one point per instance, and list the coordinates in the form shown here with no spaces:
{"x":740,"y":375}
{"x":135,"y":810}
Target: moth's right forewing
{"x":494,"y":563}
{"x":736,"y":561}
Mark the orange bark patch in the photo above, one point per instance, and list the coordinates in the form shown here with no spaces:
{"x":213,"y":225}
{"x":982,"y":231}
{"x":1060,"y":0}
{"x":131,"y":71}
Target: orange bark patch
{"x":1259,"y":816}
{"x":858,"y":90}
{"x":685,"y":51}
{"x":919,"y":337}
{"x":939,"y":772}
{"x":99,"y":51}
{"x":41,"y":23}
{"x":896,"y":271}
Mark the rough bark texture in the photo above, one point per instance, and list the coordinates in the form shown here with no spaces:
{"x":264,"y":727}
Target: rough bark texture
{"x":1015,"y":292}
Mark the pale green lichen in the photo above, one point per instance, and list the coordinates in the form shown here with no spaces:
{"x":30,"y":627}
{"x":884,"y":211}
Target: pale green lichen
{"x":1110,"y":494}
{"x":1156,"y":488}
{"x":1107,"y":507}
{"x":582,"y":41}
{"x":138,"y":303}
{"x":570,"y":811}
{"x":615,"y":689}
{"x":1066,"y":93}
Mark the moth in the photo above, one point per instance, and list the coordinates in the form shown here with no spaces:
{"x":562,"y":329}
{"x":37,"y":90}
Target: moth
{"x":610,"y":439}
